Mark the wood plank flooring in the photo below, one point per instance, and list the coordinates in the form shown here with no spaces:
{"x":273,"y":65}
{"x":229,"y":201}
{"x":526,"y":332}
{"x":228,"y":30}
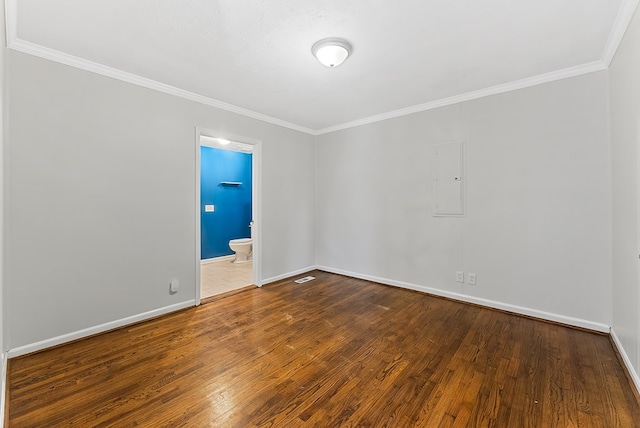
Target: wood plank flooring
{"x":332,"y":352}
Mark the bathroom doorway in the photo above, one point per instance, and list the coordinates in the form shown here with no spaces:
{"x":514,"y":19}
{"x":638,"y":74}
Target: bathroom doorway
{"x":227,"y":214}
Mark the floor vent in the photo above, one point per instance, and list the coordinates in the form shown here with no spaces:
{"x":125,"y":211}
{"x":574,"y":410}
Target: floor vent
{"x":305,"y":279}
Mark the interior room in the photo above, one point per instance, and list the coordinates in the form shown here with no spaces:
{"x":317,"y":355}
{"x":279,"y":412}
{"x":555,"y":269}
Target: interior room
{"x":455,"y":176}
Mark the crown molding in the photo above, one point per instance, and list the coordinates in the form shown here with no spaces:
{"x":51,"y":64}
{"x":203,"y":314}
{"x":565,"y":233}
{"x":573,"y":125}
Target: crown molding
{"x":10,"y":20}
{"x":83,"y":64}
{"x":17,"y":44}
{"x":625,"y":14}
{"x":623,"y":19}
{"x":481,"y":93}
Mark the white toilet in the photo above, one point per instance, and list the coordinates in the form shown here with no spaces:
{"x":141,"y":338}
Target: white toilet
{"x":243,"y":248}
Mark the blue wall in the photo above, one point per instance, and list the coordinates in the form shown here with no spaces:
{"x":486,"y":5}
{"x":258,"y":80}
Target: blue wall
{"x":232,"y":214}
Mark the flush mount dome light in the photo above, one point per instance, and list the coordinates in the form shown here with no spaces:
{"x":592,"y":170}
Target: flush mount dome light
{"x":332,"y":51}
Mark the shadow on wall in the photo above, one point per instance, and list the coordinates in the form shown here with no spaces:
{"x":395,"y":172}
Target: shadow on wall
{"x":225,"y":199}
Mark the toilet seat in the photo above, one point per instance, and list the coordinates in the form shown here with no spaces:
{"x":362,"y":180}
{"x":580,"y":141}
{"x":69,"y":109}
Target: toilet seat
{"x":241,"y":241}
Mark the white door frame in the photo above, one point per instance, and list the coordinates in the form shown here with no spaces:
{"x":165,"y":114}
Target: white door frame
{"x":256,"y":201}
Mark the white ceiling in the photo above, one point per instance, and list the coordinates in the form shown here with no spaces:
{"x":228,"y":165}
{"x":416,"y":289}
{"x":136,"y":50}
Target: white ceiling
{"x":254,"y":56}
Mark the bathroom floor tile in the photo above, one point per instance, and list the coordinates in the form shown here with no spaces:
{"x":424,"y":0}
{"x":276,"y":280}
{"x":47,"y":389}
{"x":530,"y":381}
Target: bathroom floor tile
{"x":222,"y":276}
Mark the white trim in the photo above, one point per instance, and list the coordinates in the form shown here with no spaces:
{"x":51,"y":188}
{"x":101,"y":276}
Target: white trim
{"x":256,"y":205}
{"x":288,"y":275}
{"x":621,"y":23}
{"x":217,"y":259}
{"x":3,"y":386}
{"x":576,"y":322}
{"x":11,"y":20}
{"x":83,"y":64}
{"x":198,"y":249}
{"x":481,"y":93}
{"x":625,"y":14}
{"x":256,"y":200}
{"x":4,"y":380}
{"x":94,"y":67}
{"x":58,"y":340}
{"x":625,"y":358}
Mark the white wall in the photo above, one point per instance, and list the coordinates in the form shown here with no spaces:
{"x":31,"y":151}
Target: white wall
{"x":101,"y":198}
{"x":538,"y":227}
{"x":2,"y":168}
{"x":624,"y":82}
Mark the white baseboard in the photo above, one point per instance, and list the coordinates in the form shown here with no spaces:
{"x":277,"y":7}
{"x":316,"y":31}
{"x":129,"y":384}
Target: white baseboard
{"x":288,"y":275}
{"x":577,"y":322}
{"x":627,"y":362}
{"x":48,"y":343}
{"x":217,"y":259}
{"x":3,"y":388}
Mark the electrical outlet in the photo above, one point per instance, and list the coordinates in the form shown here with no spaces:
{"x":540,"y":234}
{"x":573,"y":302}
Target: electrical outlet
{"x":459,"y":276}
{"x":471,"y":278}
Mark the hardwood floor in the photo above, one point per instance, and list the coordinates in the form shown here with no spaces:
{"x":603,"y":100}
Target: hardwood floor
{"x":332,"y":352}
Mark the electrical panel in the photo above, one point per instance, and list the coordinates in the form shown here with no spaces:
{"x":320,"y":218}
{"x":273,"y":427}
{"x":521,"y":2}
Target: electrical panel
{"x":448,"y":180}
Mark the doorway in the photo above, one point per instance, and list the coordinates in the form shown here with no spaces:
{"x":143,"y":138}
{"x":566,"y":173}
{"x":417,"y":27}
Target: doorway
{"x":227,"y":208}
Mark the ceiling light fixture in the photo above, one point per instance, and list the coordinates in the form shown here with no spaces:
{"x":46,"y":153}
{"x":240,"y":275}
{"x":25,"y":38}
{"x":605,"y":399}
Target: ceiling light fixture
{"x":332,"y":51}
